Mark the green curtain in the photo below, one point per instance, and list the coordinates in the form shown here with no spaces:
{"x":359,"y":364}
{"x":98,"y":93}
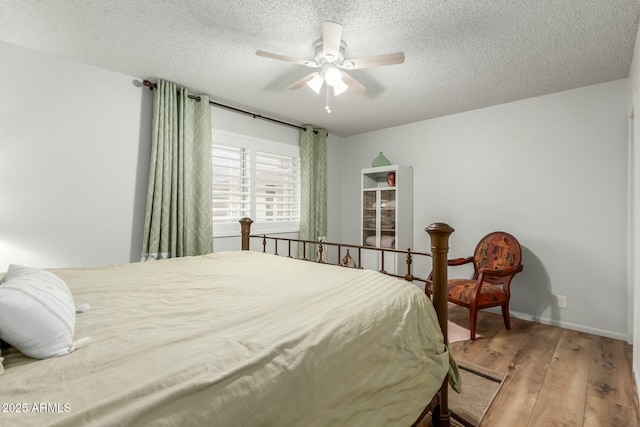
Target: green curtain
{"x":178,"y":219}
{"x":313,"y":187}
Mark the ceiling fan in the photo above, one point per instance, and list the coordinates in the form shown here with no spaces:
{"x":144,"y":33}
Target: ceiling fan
{"x":329,"y":58}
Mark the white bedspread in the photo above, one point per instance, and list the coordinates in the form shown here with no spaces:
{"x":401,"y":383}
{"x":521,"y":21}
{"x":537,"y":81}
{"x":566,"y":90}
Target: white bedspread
{"x":235,"y":339}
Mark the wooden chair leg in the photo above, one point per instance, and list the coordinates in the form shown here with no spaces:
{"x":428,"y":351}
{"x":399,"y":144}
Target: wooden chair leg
{"x":505,"y":316}
{"x":473,"y":317}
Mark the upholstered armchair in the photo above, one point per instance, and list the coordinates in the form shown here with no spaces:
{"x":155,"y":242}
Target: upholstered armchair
{"x":496,"y":260}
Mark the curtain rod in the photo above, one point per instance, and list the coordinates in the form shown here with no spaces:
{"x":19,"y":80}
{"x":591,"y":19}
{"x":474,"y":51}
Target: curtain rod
{"x":153,"y":86}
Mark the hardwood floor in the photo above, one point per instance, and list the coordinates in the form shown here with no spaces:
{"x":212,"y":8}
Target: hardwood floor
{"x":555,"y":376}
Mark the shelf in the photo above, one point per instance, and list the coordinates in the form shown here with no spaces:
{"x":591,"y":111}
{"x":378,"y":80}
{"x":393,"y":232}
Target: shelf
{"x":379,"y":189}
{"x":379,"y":171}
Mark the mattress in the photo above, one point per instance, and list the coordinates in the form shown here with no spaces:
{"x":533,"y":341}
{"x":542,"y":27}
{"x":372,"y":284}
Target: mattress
{"x":234,"y":339}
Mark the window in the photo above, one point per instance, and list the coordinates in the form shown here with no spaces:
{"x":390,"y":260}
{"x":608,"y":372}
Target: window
{"x":254,"y":178}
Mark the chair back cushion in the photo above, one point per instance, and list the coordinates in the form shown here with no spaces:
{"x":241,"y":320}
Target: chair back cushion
{"x":496,"y":251}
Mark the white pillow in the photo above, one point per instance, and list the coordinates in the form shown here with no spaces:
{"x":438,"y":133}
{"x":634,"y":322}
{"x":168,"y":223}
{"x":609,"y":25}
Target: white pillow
{"x":16,"y":270}
{"x":37,"y":312}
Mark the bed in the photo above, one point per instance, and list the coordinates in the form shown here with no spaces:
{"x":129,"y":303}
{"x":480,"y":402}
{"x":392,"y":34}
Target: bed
{"x":240,"y":338}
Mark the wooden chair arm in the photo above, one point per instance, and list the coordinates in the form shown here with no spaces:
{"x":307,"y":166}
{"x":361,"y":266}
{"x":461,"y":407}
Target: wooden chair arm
{"x":428,"y":283}
{"x":460,"y":261}
{"x":503,"y":272}
{"x":453,"y":262}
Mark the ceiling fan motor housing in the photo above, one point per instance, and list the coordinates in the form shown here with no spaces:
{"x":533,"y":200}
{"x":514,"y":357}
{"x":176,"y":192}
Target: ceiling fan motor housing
{"x":321,"y":58}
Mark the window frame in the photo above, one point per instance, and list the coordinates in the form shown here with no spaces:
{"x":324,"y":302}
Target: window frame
{"x":255,"y":145}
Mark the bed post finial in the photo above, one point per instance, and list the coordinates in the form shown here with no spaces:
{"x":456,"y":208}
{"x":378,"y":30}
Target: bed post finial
{"x":245,"y":227}
{"x":439,"y":233}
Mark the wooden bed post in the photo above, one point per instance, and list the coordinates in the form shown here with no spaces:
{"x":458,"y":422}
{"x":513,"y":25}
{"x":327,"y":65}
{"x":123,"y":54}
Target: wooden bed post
{"x":245,"y":226}
{"x":439,"y":233}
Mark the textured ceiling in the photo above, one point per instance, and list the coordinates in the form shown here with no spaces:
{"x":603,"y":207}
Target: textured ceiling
{"x":460,"y":54}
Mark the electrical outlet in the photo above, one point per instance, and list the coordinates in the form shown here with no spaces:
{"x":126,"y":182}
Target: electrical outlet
{"x":562,"y":301}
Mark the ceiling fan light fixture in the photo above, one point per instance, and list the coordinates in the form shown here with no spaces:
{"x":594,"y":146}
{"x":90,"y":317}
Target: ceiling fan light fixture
{"x":333,"y":76}
{"x":316,"y":83}
{"x":339,"y":87}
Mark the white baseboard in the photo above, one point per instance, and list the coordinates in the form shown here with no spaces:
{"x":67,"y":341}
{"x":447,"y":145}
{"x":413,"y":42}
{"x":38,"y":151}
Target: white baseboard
{"x":636,"y":375}
{"x":565,"y":325}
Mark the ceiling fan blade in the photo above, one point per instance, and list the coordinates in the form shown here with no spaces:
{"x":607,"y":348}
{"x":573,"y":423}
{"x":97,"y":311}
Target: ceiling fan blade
{"x":374,"y":61}
{"x":270,"y":55}
{"x":353,"y":84}
{"x":331,"y":38}
{"x":302,"y":81}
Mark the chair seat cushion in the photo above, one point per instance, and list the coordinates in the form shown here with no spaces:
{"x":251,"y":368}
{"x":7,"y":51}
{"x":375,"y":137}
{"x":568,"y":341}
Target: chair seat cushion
{"x":462,"y":289}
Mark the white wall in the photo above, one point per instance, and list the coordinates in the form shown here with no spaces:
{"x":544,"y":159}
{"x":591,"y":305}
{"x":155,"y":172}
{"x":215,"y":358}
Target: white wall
{"x":634,"y":293}
{"x":551,"y":170}
{"x":227,"y":120}
{"x":74,"y":150}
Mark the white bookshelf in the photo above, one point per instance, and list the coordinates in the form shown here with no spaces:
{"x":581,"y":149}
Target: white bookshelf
{"x":386,"y":215}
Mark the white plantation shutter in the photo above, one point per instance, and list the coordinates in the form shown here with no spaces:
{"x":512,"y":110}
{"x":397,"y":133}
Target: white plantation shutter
{"x":277,"y":187}
{"x":254,"y":178}
{"x":231,"y":184}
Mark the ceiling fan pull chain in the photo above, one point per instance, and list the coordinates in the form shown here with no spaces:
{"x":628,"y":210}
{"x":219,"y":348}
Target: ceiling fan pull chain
{"x":328,"y":103}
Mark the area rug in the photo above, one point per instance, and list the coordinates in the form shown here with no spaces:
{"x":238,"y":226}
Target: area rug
{"x":458,"y":333}
{"x":479,"y":388}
